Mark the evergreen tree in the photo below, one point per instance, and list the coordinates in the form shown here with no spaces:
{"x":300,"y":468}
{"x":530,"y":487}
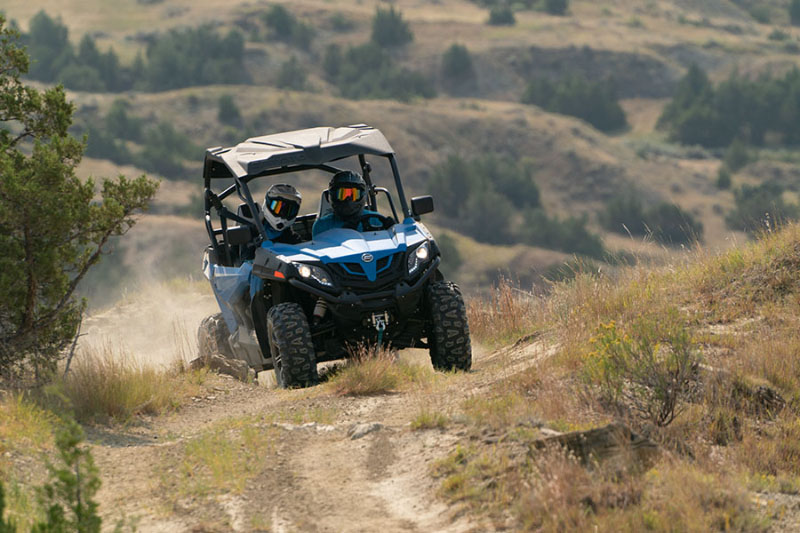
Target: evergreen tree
{"x":794,"y":12}
{"x":53,"y":225}
{"x":457,"y":67}
{"x":389,"y":29}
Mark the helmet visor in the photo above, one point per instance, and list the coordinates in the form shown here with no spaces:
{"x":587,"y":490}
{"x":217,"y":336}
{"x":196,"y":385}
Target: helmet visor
{"x":348,"y":193}
{"x":283,"y":208}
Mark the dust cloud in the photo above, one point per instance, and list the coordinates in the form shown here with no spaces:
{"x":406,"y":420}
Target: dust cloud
{"x":155,"y":325}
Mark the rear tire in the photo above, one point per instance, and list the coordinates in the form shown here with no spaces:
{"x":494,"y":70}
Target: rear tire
{"x":448,"y":335}
{"x":212,"y":337}
{"x":292,"y":350}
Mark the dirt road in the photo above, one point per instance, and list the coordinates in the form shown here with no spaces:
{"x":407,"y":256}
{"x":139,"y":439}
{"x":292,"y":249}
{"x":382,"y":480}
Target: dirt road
{"x":321,"y":462}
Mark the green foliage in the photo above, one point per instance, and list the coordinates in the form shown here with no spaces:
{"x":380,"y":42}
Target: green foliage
{"x":794,"y":12}
{"x":759,"y":208}
{"x":501,"y":15}
{"x":6,"y":526}
{"x":496,"y":200}
{"x":53,"y":226}
{"x":69,"y":496}
{"x":180,"y":58}
{"x":164,"y":151}
{"x":724,"y":179}
{"x":738,"y":108}
{"x":737,"y":156}
{"x":228,"y":111}
{"x":367,"y":71}
{"x":451,"y":257}
{"x":389,"y":29}
{"x":624,"y":213}
{"x":457,"y":67}
{"x":291,"y":75}
{"x":120,"y":124}
{"x":667,"y":223}
{"x":284,"y":26}
{"x":761,"y":14}
{"x":556,"y":7}
{"x":647,"y":367}
{"x":194,"y":56}
{"x":672,"y":225}
{"x":778,"y":35}
{"x":594,"y":102}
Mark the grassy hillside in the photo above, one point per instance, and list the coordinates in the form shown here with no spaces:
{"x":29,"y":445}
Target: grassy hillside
{"x":644,"y":47}
{"x":697,"y":359}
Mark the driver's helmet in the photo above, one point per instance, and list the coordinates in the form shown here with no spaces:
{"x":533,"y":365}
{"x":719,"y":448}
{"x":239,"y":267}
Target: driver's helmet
{"x":281,"y":205}
{"x":347,"y":193}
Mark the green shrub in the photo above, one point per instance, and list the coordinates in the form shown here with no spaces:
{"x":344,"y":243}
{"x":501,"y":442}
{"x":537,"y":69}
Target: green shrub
{"x":291,"y":75}
{"x":672,"y":225}
{"x":760,"y":207}
{"x":457,"y":67}
{"x":389,"y":29}
{"x":594,"y":102}
{"x":284,"y":26}
{"x":120,"y":124}
{"x":647,"y":367}
{"x":778,"y":35}
{"x":624,"y":214}
{"x":6,"y":526}
{"x":667,"y":223}
{"x":794,"y":12}
{"x":761,"y":14}
{"x":738,"y":108}
{"x":194,"y":56}
{"x":501,"y":15}
{"x":367,"y":71}
{"x":227,"y":111}
{"x":482,"y":197}
{"x":68,"y":498}
{"x":723,"y":178}
{"x":556,"y":7}
{"x":737,"y":156}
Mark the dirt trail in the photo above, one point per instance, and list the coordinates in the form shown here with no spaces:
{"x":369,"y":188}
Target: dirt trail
{"x":364,"y":470}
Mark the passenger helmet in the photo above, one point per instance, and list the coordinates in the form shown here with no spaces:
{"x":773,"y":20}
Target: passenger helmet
{"x":347,"y":192}
{"x":281,"y":205}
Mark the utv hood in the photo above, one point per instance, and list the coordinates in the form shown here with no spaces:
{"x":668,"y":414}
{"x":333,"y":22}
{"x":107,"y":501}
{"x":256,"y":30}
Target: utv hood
{"x":351,"y":246}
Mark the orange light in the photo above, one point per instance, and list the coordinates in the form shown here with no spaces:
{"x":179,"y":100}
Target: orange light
{"x":280,"y":275}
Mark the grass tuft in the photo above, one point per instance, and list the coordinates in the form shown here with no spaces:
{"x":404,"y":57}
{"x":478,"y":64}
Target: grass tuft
{"x":507,"y":314}
{"x":376,"y":371}
{"x":110,"y":386}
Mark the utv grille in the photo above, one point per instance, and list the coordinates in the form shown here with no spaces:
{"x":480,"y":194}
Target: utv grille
{"x":352,"y":275}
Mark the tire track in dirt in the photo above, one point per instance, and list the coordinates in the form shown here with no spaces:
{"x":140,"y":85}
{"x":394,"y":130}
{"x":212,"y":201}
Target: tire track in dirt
{"x":320,"y":479}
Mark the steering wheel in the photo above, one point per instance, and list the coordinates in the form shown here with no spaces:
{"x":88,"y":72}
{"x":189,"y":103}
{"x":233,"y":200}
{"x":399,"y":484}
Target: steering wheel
{"x":367,"y":222}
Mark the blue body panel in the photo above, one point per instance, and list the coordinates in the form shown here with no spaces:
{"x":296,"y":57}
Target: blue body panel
{"x":333,"y":246}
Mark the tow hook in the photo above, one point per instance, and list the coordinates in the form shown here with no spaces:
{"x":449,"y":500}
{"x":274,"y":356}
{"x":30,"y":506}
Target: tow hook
{"x":380,"y":320}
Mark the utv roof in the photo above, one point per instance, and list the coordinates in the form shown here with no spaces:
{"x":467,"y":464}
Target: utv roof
{"x":309,"y":147}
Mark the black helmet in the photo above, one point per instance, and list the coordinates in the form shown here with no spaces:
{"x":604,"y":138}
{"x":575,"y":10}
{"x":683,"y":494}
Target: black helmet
{"x":347,"y":192}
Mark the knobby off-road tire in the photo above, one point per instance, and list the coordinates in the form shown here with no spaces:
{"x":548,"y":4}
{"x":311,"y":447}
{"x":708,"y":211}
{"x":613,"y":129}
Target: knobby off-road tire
{"x":449,"y":332}
{"x":212,"y":337}
{"x":292,"y":349}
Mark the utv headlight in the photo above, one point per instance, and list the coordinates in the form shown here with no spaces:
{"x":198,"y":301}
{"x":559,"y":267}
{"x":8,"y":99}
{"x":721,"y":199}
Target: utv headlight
{"x":418,"y":257}
{"x":314,"y":273}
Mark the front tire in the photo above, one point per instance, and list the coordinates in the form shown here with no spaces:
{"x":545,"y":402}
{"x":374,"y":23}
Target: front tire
{"x":448,"y":335}
{"x":212,"y":337}
{"x":292,"y":350}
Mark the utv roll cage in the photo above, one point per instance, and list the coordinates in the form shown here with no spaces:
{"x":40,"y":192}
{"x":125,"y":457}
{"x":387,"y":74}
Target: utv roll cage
{"x":295,"y":151}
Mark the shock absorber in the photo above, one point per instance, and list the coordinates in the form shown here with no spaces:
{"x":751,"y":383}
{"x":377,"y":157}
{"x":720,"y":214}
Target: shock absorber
{"x":320,"y":310}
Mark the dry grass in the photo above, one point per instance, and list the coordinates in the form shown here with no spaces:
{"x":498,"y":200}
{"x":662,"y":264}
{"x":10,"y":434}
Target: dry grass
{"x":26,"y":430}
{"x":219,"y":460}
{"x":111,"y":386}
{"x":507,"y":314}
{"x":735,"y":433}
{"x":376,"y":371}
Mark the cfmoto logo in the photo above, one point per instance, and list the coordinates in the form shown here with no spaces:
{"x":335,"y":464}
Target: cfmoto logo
{"x":367,"y":258}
